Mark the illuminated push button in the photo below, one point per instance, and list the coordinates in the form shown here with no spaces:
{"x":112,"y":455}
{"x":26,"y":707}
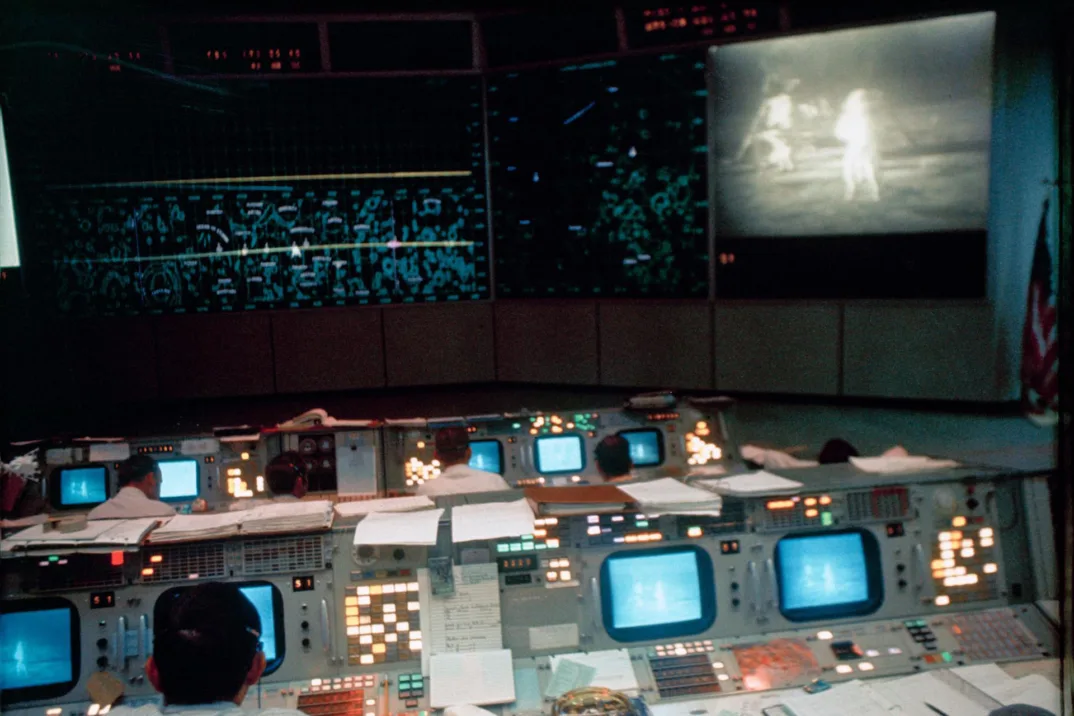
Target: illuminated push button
{"x":985,"y":532}
{"x":315,"y":682}
{"x":942,"y":601}
{"x":717,"y":665}
{"x":844,"y":669}
{"x":865,"y":666}
{"x":894,"y":650}
{"x":824,"y":635}
{"x":722,"y":677}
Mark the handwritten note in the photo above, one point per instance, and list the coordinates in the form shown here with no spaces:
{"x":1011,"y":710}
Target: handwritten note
{"x":468,"y":620}
{"x":614,"y":670}
{"x":853,"y":697}
{"x":569,"y":675}
{"x":479,"y":677}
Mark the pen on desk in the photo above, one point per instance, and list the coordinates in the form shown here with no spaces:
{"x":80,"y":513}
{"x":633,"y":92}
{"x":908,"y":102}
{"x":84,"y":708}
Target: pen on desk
{"x":935,"y":710}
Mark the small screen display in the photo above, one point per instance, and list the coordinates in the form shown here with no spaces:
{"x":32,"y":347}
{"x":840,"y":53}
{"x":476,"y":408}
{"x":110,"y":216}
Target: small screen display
{"x":179,"y":479}
{"x":83,"y":486}
{"x":658,"y":589}
{"x":486,"y":456}
{"x":646,"y":447}
{"x":261,"y":597}
{"x":559,"y":453}
{"x":829,"y":575}
{"x":35,"y":649}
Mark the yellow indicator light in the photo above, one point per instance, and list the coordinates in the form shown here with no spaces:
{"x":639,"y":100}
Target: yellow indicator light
{"x":958,"y":521}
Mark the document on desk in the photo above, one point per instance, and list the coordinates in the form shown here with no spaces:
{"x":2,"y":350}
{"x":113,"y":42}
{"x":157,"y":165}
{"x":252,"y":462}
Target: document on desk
{"x":404,"y":528}
{"x":614,"y":669}
{"x":468,"y":620}
{"x":892,"y":464}
{"x":915,"y":694}
{"x":491,"y":520}
{"x":760,"y":482}
{"x":1033,"y":690}
{"x":567,"y":676}
{"x":476,"y":677}
{"x":410,"y":503}
{"x":97,"y":534}
{"x":985,"y":677}
{"x":190,"y":528}
{"x":853,"y":697}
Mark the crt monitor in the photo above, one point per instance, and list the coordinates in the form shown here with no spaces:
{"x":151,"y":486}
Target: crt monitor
{"x":558,"y":454}
{"x":82,"y":486}
{"x":486,"y":455}
{"x":268,"y":601}
{"x":660,"y":593}
{"x":825,"y":575}
{"x":646,"y":446}
{"x":179,"y":479}
{"x":39,"y":649}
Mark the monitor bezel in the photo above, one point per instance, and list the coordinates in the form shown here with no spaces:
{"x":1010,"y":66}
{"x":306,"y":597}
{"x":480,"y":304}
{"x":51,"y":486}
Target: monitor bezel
{"x":54,"y":690}
{"x":160,"y":617}
{"x":537,"y":454}
{"x":660,"y":449}
{"x":499,"y":451}
{"x":874,"y":573}
{"x":55,"y":486}
{"x":197,"y":479}
{"x":706,"y":583}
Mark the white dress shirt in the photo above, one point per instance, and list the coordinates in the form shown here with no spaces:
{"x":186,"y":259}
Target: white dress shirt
{"x":130,"y":502}
{"x":459,"y":479}
{"x":218,"y":709}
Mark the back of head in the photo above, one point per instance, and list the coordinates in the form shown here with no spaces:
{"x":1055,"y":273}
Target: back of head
{"x":206,"y":645}
{"x":613,"y":456}
{"x":452,"y":445}
{"x":135,"y":468}
{"x":836,"y":450}
{"x":283,"y":471}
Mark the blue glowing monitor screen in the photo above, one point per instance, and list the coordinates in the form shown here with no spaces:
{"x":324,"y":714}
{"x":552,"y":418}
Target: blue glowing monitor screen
{"x":83,"y":486}
{"x":485,"y":455}
{"x":654,"y":590}
{"x":261,"y":597}
{"x":35,"y":648}
{"x":560,"y":453}
{"x":823,"y":571}
{"x":644,"y":447}
{"x":179,"y":479}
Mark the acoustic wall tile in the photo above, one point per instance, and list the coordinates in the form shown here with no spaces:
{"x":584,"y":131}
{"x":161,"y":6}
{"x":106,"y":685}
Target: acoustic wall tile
{"x":215,"y":355}
{"x":439,"y":344}
{"x":786,"y":348}
{"x":546,"y":342}
{"x":656,"y":344}
{"x":328,"y":349}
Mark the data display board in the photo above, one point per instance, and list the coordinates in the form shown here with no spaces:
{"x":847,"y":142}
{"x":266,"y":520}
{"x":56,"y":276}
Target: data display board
{"x":180,"y":195}
{"x":599,"y":181}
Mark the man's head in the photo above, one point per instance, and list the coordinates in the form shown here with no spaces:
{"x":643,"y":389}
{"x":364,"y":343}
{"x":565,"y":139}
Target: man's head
{"x":836,"y":450}
{"x":286,"y":475}
{"x":141,"y":472}
{"x":452,"y":446}
{"x":613,"y":457}
{"x":209,"y":647}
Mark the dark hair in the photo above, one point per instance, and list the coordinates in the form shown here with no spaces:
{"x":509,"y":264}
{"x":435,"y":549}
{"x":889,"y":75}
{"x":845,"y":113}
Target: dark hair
{"x":207,"y":644}
{"x":282,"y":472}
{"x":135,"y":468}
{"x":452,"y":443}
{"x":836,"y":450}
{"x":613,"y":456}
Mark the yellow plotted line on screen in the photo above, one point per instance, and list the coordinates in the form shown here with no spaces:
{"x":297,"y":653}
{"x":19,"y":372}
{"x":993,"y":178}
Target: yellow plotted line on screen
{"x":278,"y":178}
{"x":294,"y":250}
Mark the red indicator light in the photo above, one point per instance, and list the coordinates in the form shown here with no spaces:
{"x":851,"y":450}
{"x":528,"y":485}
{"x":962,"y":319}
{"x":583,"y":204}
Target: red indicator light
{"x":117,"y":559}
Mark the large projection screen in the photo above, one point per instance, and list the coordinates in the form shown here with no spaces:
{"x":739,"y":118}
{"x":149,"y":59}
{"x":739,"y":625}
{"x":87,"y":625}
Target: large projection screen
{"x":868,"y":131}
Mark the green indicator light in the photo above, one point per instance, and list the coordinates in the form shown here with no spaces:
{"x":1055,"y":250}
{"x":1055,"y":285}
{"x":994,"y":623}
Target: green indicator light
{"x":946,"y":656}
{"x":54,"y":558}
{"x":642,"y":523}
{"x":516,"y":426}
{"x":502,"y":547}
{"x":542,"y":545}
{"x":826,"y":518}
{"x":527,"y":545}
{"x":516,"y":547}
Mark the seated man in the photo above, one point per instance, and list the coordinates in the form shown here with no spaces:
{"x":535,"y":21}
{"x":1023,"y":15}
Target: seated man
{"x":206,"y":654}
{"x":139,"y":492}
{"x":286,"y":477}
{"x":456,"y":475}
{"x":613,"y":459}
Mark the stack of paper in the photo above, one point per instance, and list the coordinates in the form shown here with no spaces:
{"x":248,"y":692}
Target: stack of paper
{"x":1033,"y":690}
{"x":906,"y":463}
{"x":288,"y":517}
{"x":98,"y":535}
{"x":477,"y":677}
{"x":668,"y":496}
{"x":752,"y":484}
{"x":191,"y":528}
{"x":611,"y":669}
{"x":399,"y":528}
{"x":387,"y":504}
{"x":491,"y":520}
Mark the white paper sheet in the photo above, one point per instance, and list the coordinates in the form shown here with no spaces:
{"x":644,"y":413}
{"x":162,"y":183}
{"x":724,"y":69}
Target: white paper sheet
{"x":109,"y":452}
{"x":911,"y":693}
{"x":491,"y":520}
{"x":668,"y":491}
{"x":468,"y":620}
{"x":477,"y":677}
{"x":386,"y":504}
{"x":404,"y":528}
{"x":983,"y":676}
{"x":1033,"y":690}
{"x":567,"y":676}
{"x":853,"y":697}
{"x":554,"y":636}
{"x":614,"y":670}
{"x":760,"y":482}
{"x":895,"y":464}
{"x":97,"y":533}
{"x":195,"y":527}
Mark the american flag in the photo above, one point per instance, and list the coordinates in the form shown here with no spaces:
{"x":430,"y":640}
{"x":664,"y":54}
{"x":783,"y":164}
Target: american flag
{"x":1040,"y":344}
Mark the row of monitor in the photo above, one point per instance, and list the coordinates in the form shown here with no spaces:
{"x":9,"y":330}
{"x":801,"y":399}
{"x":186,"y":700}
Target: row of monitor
{"x":646,"y":594}
{"x":87,"y":485}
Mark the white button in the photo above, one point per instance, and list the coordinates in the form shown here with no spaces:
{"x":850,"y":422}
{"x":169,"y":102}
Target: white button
{"x":865,"y":666}
{"x":824,"y":635}
{"x":843,"y":669}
